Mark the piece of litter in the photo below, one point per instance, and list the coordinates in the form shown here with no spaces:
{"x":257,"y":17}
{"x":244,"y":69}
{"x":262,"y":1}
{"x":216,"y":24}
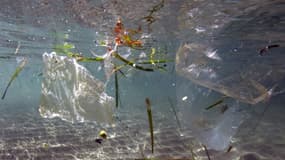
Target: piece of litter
{"x":184,"y":98}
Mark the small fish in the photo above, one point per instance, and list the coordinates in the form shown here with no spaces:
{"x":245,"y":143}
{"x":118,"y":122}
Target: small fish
{"x":266,"y":48}
{"x":224,"y":108}
{"x":148,"y":106}
{"x":15,"y":74}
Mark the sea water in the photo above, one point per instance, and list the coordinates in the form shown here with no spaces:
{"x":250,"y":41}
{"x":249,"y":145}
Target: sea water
{"x":223,"y":42}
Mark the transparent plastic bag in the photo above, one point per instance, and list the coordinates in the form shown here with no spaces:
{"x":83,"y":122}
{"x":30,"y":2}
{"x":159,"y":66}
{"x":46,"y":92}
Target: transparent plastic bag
{"x":243,"y":78}
{"x":71,"y":93}
{"x":210,"y":74}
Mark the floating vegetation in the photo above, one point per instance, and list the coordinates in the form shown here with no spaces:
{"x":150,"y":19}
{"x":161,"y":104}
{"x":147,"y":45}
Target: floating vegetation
{"x":148,"y":107}
{"x":132,"y":64}
{"x":266,"y":49}
{"x":66,"y":49}
{"x":125,"y":36}
{"x":224,"y":108}
{"x":207,"y":152}
{"x":18,"y":48}
{"x":229,"y":149}
{"x":216,"y":103}
{"x":175,"y":113}
{"x":150,"y":17}
{"x":103,"y":134}
{"x":116,"y":89}
{"x":99,"y":140}
{"x":113,"y":60}
{"x":191,"y":146}
{"x":15,"y":75}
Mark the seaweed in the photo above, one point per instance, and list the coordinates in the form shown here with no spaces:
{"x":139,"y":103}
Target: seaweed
{"x":150,"y":17}
{"x":229,"y":149}
{"x":18,"y":48}
{"x":207,"y":152}
{"x":224,"y":108}
{"x":116,"y":89}
{"x":148,"y":107}
{"x":113,"y":61}
{"x":15,"y":75}
{"x":175,"y":113}
{"x":266,"y":48}
{"x":132,"y":64}
{"x":216,"y":103}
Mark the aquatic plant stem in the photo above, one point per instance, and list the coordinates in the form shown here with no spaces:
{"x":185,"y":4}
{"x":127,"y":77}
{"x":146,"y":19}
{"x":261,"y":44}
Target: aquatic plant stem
{"x":148,"y":106}
{"x":116,"y":89}
{"x":175,"y":113}
{"x":207,"y":152}
{"x":14,"y":76}
{"x":130,"y":63}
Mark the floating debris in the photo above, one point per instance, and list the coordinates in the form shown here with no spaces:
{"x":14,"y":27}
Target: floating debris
{"x":130,"y":63}
{"x":124,"y":36}
{"x":99,"y":140}
{"x":117,"y":89}
{"x":266,"y":48}
{"x":216,"y":103}
{"x":207,"y":152}
{"x":224,"y":108}
{"x":150,"y":18}
{"x":18,"y":47}
{"x":103,"y":134}
{"x":148,"y":106}
{"x":15,"y":74}
{"x":175,"y":113}
{"x":184,"y":98}
{"x":229,"y":149}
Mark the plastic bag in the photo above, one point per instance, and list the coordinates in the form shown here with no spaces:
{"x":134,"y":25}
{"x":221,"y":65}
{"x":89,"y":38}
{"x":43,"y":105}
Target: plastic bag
{"x":71,"y":93}
{"x":243,"y":78}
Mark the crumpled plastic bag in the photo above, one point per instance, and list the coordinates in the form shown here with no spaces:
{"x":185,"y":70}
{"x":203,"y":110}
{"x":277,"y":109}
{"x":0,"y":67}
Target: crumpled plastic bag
{"x":247,"y":79}
{"x":71,"y":93}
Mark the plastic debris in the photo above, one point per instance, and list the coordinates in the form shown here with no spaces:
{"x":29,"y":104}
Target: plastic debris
{"x":71,"y":93}
{"x":250,"y":83}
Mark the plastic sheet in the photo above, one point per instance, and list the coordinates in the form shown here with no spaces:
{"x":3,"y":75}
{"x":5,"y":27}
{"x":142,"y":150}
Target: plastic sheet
{"x":70,"y":92}
{"x":242,"y":78}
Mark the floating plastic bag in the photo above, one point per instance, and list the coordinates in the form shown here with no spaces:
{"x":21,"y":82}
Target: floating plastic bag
{"x":243,"y":77}
{"x":70,"y":92}
{"x":247,"y":79}
{"x":211,"y":127}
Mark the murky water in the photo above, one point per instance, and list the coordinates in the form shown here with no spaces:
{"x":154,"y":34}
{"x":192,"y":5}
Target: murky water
{"x":215,"y":48}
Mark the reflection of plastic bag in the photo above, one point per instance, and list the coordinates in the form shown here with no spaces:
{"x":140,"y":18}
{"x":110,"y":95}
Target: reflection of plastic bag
{"x":247,"y":81}
{"x":70,"y":92}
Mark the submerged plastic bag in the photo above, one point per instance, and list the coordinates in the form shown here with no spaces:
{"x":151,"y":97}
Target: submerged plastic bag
{"x":71,"y":93}
{"x":245,"y":78}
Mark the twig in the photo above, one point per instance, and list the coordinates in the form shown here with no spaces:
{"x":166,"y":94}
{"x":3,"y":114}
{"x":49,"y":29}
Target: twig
{"x":18,"y":47}
{"x":148,"y":106}
{"x":207,"y":152}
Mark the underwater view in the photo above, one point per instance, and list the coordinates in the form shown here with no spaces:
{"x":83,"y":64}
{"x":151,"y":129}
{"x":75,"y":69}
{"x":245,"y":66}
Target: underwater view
{"x":142,"y":79}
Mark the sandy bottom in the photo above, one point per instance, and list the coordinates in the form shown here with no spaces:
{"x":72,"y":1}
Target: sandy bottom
{"x":27,"y":137}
